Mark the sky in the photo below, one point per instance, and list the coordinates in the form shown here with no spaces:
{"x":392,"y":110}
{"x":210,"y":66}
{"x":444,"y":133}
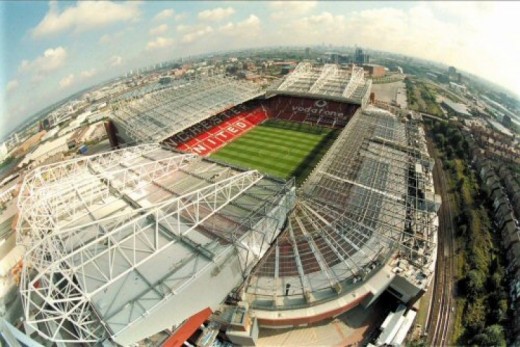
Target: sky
{"x":50,"y":50}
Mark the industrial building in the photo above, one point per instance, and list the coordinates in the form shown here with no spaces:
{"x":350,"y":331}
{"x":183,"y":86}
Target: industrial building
{"x":455,"y":109}
{"x":126,"y":244}
{"x":395,"y":327}
{"x":374,"y":70}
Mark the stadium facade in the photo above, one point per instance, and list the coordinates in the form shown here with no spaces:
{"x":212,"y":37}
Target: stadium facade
{"x":125,"y":244}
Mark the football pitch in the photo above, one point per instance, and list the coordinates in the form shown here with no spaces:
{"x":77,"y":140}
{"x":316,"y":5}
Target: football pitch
{"x":279,"y":148}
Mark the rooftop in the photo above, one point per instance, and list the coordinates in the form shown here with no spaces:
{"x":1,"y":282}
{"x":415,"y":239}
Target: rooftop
{"x":329,"y":80}
{"x":131,"y":236}
{"x":457,"y":107}
{"x":371,"y":198}
{"x":159,"y":114}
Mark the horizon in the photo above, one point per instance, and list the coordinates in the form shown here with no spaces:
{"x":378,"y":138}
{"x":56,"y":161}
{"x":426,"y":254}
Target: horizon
{"x":58,"y":49}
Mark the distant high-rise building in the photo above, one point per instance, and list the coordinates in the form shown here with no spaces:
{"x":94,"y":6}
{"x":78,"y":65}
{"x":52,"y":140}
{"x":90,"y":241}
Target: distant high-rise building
{"x":45,"y":124}
{"x":361,"y":58}
{"x":3,"y":152}
{"x":452,"y":70}
{"x":307,"y":52}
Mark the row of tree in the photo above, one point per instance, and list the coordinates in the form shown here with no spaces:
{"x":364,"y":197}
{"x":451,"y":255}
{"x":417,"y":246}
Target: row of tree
{"x":482,"y":287}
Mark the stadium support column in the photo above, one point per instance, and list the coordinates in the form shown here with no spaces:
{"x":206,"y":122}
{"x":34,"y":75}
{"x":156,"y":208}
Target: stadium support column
{"x":366,"y":97}
{"x":304,"y":280}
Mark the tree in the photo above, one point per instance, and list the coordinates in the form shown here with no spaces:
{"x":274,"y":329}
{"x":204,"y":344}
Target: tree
{"x":440,"y":139}
{"x":475,"y":316}
{"x":463,"y":229}
{"x":443,"y":127}
{"x":417,"y":343}
{"x":474,"y":283}
{"x":460,"y":184}
{"x":497,"y":309}
{"x":494,"y":336}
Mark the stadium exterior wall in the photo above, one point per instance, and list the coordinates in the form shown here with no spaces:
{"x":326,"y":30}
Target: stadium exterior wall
{"x":365,"y":294}
{"x":309,"y":319}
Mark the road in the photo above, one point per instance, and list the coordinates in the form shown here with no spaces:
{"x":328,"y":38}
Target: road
{"x":440,"y":320}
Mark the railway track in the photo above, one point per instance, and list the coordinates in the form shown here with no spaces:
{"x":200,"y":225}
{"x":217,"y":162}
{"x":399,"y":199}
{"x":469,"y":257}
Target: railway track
{"x":439,"y":322}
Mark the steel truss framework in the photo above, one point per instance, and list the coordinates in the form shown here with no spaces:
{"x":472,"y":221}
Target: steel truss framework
{"x":113,"y":237}
{"x":95,"y":226}
{"x":158,"y":115}
{"x":370,"y":198}
{"x":326,"y":81}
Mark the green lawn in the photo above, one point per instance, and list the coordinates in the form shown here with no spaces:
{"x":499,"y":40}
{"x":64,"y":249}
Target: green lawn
{"x":279,"y":148}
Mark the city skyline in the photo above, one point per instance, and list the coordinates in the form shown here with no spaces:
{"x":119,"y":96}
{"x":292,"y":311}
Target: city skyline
{"x":52,"y":50}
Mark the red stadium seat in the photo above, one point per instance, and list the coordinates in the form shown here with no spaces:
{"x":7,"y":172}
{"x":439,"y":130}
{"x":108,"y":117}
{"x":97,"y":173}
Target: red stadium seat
{"x":213,"y":133}
{"x":225,"y":127}
{"x":310,"y":111}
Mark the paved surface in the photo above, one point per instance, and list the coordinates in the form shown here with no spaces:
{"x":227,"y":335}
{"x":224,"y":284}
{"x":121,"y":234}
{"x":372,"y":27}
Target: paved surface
{"x":391,"y":92}
{"x":353,"y":328}
{"x":101,"y":147}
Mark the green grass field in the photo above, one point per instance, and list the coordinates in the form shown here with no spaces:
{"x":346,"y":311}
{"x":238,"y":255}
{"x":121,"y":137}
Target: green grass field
{"x":279,"y":148}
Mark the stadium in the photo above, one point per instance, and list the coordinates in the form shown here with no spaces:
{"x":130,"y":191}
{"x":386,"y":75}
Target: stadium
{"x":292,"y":204}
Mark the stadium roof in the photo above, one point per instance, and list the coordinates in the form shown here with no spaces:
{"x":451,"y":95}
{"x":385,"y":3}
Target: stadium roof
{"x":161,"y":114}
{"x":125,"y":244}
{"x":325,"y":81}
{"x":369,"y":198}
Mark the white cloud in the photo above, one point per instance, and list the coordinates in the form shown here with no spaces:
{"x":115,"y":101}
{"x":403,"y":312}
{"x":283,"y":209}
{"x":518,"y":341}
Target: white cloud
{"x":251,"y":21}
{"x":12,"y":85}
{"x":51,"y":60}
{"x":110,"y":38}
{"x":291,"y":8}
{"x":216,"y":14}
{"x":325,"y":18}
{"x":85,"y":15}
{"x":164,"y":14}
{"x":183,"y":28}
{"x":115,"y":60}
{"x":161,"y":29}
{"x":248,"y":27}
{"x":180,"y":16}
{"x":484,"y":38}
{"x":318,"y":28}
{"x":470,"y":36}
{"x":67,"y":81}
{"x":195,"y":34}
{"x":456,"y":8}
{"x":88,"y":73}
{"x":105,"y":39}
{"x":478,"y":37}
{"x":159,"y":42}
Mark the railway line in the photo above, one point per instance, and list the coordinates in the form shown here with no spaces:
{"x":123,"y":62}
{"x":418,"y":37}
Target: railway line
{"x":439,"y":322}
